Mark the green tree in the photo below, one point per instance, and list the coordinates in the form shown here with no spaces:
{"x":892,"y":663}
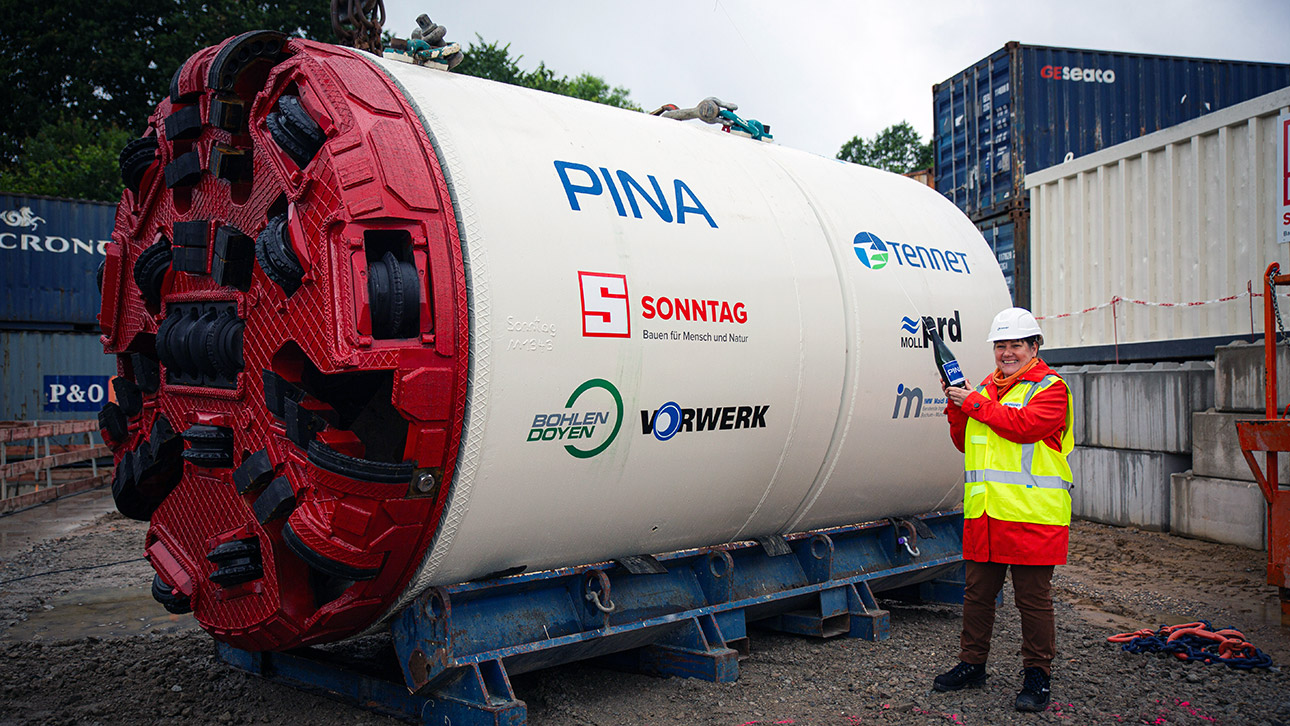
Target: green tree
{"x":494,"y":62}
{"x":897,"y":148}
{"x":594,"y":88}
{"x":69,"y":159}
{"x":109,"y":62}
{"x":82,"y":77}
{"x":491,"y":61}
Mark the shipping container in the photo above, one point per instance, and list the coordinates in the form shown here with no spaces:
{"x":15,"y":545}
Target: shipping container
{"x":50,"y":250}
{"x":1143,"y":231}
{"x":1027,"y":107}
{"x":53,"y":375}
{"x":922,"y":176}
{"x":1001,"y":233}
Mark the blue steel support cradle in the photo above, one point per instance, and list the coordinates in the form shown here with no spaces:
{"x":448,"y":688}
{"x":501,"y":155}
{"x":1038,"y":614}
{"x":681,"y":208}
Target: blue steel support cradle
{"x":687,"y":617}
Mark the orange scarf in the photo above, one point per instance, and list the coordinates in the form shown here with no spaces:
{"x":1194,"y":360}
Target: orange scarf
{"x":1004,"y":383}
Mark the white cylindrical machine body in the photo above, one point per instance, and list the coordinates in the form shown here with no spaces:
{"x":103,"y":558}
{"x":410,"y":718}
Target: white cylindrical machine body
{"x":680,"y":337}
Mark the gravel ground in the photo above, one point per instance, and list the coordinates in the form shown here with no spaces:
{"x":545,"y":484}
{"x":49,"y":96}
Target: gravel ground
{"x":89,"y":646}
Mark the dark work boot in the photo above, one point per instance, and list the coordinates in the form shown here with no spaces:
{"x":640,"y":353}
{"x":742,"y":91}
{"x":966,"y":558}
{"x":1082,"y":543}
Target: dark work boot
{"x":1034,"y":690}
{"x":960,"y":676}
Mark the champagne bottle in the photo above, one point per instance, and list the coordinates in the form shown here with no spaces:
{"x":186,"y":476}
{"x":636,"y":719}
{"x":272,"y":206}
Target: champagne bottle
{"x":946,"y":364}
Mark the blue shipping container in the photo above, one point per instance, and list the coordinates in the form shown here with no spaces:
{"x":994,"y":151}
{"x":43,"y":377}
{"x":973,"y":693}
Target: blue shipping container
{"x":52,"y":375}
{"x":50,"y":250}
{"x":1026,"y":107}
{"x":1000,"y":233}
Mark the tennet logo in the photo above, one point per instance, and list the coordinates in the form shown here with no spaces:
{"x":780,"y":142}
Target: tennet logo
{"x":871,"y":251}
{"x":874,"y":253}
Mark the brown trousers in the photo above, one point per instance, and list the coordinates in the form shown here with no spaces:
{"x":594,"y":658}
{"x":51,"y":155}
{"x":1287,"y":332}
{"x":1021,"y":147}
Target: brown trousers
{"x":1033,"y":586}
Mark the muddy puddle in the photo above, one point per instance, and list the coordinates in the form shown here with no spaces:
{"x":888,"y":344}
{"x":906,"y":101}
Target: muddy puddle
{"x":20,"y":530}
{"x":99,"y":612}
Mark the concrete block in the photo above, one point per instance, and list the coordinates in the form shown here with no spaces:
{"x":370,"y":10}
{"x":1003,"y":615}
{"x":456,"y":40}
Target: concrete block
{"x":1216,"y":451}
{"x":1219,"y":510}
{"x":1075,"y":377}
{"x":1144,"y":406}
{"x":1122,"y":487}
{"x":1238,"y":377}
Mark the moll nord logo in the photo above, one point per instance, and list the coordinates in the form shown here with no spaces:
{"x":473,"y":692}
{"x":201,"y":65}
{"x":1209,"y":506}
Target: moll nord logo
{"x":915,"y":332}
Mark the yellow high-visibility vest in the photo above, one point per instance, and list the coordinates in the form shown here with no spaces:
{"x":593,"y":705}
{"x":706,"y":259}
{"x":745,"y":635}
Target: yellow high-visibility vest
{"x":1018,"y":482}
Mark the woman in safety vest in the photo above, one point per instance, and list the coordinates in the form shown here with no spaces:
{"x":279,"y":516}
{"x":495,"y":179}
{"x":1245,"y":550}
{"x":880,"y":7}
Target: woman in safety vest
{"x":1015,"y":431}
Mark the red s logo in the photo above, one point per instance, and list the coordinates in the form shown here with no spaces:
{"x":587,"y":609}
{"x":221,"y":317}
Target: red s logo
{"x":605,"y":311}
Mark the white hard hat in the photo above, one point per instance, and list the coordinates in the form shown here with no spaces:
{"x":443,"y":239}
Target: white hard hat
{"x":1014,"y":324}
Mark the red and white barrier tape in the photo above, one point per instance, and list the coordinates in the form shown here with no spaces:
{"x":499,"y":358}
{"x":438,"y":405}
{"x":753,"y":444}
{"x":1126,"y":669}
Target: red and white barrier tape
{"x":1118,"y":299}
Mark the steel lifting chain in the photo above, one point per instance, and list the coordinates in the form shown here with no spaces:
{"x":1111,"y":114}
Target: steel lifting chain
{"x":1276,"y":310}
{"x":358,"y":23}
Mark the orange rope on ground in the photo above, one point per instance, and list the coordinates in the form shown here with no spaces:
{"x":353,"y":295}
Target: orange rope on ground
{"x":1195,"y":641}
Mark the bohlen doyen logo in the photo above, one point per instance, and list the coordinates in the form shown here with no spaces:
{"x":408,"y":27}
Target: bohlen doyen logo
{"x":910,"y":403}
{"x":670,"y":419}
{"x":875,"y":253}
{"x":917,"y":331}
{"x":584,"y":425}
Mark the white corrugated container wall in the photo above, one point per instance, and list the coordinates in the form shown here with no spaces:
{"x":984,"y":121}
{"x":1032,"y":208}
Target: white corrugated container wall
{"x":1182,"y":215}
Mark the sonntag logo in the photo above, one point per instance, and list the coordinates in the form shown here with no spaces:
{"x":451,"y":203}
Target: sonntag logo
{"x":917,"y":331}
{"x":871,"y":251}
{"x":586,"y":424}
{"x":910,"y":400}
{"x":607,"y":313}
{"x":874,"y":253}
{"x":670,"y":419}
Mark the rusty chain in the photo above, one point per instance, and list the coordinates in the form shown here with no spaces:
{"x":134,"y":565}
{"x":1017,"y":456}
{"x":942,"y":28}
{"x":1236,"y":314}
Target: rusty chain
{"x":1276,"y":310}
{"x":358,"y":23}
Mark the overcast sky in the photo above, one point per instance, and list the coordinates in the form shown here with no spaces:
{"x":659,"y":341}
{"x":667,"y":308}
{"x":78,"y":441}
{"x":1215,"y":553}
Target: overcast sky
{"x":821,"y":72}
